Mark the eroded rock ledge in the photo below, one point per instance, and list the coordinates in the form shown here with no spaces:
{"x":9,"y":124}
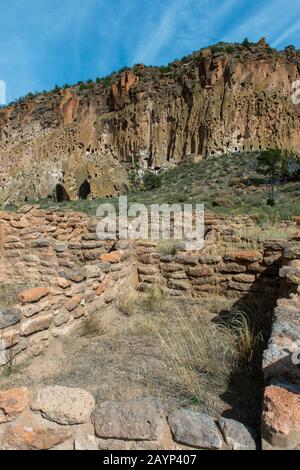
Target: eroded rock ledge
{"x":74,"y":142}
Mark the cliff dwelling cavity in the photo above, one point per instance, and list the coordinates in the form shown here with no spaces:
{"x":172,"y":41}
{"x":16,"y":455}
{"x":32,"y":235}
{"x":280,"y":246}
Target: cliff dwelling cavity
{"x":61,"y":193}
{"x":84,"y":190}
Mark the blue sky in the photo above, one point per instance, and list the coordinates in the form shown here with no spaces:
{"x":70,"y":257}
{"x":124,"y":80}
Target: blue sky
{"x":48,"y":42}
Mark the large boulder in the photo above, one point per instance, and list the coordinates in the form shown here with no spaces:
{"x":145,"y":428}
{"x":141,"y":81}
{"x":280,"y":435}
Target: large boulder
{"x":237,"y":436}
{"x":140,"y":418}
{"x":64,"y":405}
{"x":195,"y":429}
{"x":281,"y":416}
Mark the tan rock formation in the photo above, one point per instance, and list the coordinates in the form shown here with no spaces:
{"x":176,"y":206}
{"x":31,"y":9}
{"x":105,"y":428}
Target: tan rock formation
{"x":85,"y":138}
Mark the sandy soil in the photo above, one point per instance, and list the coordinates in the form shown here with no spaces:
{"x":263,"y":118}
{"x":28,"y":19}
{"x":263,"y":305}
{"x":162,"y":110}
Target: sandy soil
{"x":118,"y":357}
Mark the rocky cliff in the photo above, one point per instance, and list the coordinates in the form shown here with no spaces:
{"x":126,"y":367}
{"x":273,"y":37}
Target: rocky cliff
{"x":80,"y":141}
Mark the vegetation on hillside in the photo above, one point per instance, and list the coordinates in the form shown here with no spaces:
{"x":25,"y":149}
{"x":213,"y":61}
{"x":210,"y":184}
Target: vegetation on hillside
{"x":175,"y":70}
{"x":232,"y":184}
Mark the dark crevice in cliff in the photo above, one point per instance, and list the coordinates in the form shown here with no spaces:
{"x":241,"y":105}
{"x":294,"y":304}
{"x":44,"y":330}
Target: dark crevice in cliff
{"x":84,"y":190}
{"x":61,"y":193}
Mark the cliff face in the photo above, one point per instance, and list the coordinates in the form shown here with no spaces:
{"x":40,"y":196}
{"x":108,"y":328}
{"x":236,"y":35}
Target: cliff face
{"x":86,"y":138}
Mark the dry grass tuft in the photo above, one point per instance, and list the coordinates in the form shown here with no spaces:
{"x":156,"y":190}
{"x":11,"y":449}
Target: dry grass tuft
{"x":92,"y":326}
{"x":9,"y":293}
{"x":247,"y":341}
{"x":127,"y":302}
{"x":166,"y":247}
{"x":204,"y":355}
{"x":155,"y":300}
{"x":257,"y":234}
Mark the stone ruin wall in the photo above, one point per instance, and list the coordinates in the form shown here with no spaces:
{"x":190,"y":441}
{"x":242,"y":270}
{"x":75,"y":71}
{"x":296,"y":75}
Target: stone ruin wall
{"x":281,"y":402}
{"x":66,"y":272}
{"x":75,"y":275}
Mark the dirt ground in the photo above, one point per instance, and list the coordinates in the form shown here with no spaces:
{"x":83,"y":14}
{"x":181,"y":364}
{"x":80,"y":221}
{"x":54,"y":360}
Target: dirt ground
{"x":117,"y":357}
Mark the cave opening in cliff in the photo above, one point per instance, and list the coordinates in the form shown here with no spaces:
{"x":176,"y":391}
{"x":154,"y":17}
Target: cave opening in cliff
{"x":61,"y":193}
{"x":84,"y":190}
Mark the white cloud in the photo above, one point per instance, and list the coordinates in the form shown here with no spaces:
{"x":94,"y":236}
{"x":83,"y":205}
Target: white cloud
{"x":295,"y":28}
{"x":158,"y":37}
{"x":271,"y":19}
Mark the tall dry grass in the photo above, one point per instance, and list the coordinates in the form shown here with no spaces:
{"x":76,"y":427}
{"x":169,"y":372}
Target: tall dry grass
{"x":204,"y":355}
{"x":9,"y":293}
{"x":267,"y":232}
{"x":127,"y":302}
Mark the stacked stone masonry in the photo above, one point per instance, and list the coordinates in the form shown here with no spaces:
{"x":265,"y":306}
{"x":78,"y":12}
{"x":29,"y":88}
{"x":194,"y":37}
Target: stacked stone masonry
{"x":62,"y":418}
{"x":68,"y":274}
{"x":281,"y":363}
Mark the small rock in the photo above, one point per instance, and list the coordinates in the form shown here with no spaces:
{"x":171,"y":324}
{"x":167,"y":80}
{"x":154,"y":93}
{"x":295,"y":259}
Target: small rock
{"x":91,"y":245}
{"x":33,"y":295}
{"x":147,"y":269}
{"x":292,"y":251}
{"x":9,"y":317}
{"x":102,"y":287}
{"x":64,"y":405}
{"x":93,"y":272}
{"x":62,"y":318}
{"x":181,"y":285}
{"x":187,"y":259}
{"x":244,"y":278}
{"x":37,"y":324}
{"x":291,"y":273}
{"x":18,"y":437}
{"x":60,"y":247}
{"x":8,"y":339}
{"x":63,"y":283}
{"x":71,"y":304}
{"x":87,"y":443}
{"x":42,"y":243}
{"x":195,"y":429}
{"x":236,"y":435}
{"x":140,"y":418}
{"x":244,"y":256}
{"x":200,"y":271}
{"x":12,"y":403}
{"x":113,"y":257}
{"x":73,"y":275}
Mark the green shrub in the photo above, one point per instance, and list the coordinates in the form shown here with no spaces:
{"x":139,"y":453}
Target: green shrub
{"x":151,"y":181}
{"x":246,"y":43}
{"x":134,"y":180}
{"x":165,"y":68}
{"x":230,"y":49}
{"x":290,"y":48}
{"x":270,"y":163}
{"x":106,"y":82}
